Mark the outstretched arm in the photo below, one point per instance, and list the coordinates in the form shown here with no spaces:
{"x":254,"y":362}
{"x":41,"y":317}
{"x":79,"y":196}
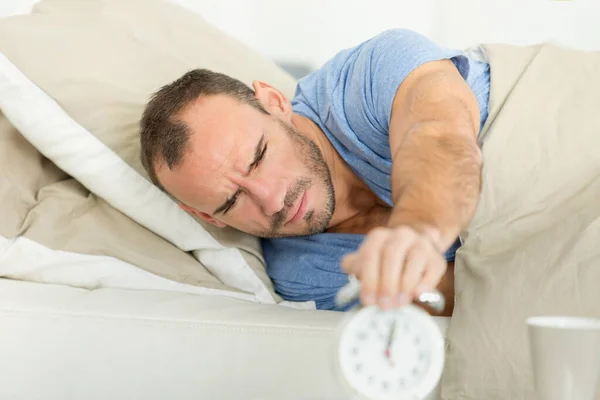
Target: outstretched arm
{"x":436,"y":175}
{"x":436,"y":160}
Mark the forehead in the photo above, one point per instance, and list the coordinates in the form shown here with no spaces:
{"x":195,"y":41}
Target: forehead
{"x":210,"y":115}
{"x":224,"y":134}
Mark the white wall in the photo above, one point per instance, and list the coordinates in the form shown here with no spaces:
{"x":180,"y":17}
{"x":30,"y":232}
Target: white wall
{"x":14,"y":7}
{"x":462,"y":23}
{"x":312,"y":31}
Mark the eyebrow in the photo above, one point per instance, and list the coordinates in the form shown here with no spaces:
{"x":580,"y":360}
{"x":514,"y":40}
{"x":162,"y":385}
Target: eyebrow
{"x":257,"y":155}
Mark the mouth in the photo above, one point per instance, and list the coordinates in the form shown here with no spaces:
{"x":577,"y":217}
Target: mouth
{"x":299,"y":211}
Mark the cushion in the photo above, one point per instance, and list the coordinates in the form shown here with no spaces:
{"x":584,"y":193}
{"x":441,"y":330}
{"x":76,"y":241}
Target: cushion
{"x":74,"y":79}
{"x":53,"y":230}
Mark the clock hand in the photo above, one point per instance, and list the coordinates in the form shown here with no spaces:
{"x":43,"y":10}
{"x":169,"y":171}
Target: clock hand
{"x":388,"y":352}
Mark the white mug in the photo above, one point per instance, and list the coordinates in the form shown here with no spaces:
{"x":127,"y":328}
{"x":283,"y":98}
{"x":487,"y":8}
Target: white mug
{"x":565,"y":357}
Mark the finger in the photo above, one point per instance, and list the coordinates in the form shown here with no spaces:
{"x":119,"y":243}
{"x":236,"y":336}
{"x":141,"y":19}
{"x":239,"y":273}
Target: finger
{"x":416,"y":262}
{"x":369,"y":256}
{"x":434,"y":272}
{"x":392,"y":265}
{"x":350,"y":263}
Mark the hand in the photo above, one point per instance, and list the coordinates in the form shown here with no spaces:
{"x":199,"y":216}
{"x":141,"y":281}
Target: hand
{"x":395,"y":265}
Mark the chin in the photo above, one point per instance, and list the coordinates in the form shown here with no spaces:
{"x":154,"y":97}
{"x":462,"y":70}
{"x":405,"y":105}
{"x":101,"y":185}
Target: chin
{"x":313,"y":223}
{"x":300,"y":228}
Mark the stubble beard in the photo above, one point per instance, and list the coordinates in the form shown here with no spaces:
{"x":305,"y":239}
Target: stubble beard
{"x":316,"y":220}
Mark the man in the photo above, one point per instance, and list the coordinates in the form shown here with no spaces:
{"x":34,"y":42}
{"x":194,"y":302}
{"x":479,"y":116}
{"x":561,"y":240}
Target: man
{"x":372,"y":169}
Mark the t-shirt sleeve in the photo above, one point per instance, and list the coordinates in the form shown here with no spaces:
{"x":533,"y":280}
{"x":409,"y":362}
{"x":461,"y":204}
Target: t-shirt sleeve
{"x":379,"y":68}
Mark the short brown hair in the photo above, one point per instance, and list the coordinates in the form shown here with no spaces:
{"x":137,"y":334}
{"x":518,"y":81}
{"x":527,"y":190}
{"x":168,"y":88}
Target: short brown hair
{"x":163,"y":135}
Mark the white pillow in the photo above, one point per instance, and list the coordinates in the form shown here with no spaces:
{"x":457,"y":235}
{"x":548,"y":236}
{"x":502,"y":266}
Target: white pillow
{"x":56,"y":87}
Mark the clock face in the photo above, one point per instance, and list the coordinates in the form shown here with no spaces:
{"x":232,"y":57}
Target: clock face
{"x":394,"y":354}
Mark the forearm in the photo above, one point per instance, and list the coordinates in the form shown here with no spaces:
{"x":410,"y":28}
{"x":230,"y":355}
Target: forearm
{"x":437,"y":182}
{"x":436,"y":172}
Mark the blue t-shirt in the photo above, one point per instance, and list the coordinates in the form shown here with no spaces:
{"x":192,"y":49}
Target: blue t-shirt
{"x":350,"y":98}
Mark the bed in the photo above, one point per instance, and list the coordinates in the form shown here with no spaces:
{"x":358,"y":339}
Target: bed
{"x":111,"y":290}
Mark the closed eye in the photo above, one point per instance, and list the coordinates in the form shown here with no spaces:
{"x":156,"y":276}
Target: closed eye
{"x":231,"y":201}
{"x":259,"y":157}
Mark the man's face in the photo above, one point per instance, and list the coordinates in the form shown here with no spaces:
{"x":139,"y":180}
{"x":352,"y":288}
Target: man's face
{"x":251,"y":171}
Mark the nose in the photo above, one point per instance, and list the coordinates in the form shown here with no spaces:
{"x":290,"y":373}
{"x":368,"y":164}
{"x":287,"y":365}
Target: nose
{"x":269,"y":195}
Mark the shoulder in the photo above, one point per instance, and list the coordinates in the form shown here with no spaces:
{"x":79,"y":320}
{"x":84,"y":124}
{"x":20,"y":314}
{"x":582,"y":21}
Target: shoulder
{"x":392,"y":52}
{"x":350,"y":97}
{"x":407,"y":42}
{"x":398,"y":39}
{"x":397,"y":36}
{"x":403,"y":50}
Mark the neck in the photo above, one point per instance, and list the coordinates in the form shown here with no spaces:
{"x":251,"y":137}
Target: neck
{"x":352,"y":196}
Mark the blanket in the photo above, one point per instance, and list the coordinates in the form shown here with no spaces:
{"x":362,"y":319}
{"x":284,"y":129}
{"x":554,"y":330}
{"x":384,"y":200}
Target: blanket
{"x":533,"y":246}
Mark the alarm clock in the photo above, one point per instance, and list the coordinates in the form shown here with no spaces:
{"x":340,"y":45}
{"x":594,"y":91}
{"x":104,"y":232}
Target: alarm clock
{"x":397,"y":353}
{"x":390,"y":354}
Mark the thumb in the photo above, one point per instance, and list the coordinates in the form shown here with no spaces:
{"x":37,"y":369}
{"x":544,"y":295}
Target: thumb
{"x":349,"y":263}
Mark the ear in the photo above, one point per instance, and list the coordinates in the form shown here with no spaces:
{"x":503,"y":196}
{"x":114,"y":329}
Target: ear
{"x":274,"y":101}
{"x":202,"y":215}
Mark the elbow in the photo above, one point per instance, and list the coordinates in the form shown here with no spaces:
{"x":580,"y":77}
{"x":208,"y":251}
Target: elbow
{"x":477,"y":155}
{"x":476,"y":160}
